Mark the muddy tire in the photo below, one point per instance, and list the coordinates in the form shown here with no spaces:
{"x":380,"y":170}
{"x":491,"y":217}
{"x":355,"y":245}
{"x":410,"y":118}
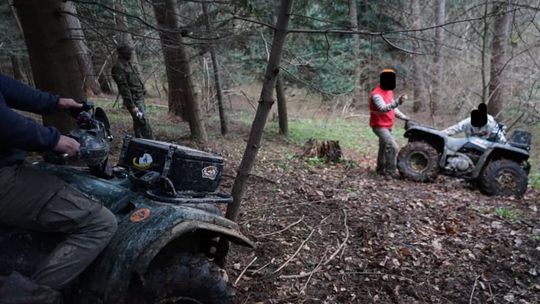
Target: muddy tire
{"x":503,"y":178}
{"x":418,"y":161}
{"x":188,"y":278}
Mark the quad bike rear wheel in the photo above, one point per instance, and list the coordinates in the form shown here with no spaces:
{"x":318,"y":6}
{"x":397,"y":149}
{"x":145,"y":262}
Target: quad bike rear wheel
{"x":503,"y":178}
{"x":186,"y":279}
{"x":418,"y":161}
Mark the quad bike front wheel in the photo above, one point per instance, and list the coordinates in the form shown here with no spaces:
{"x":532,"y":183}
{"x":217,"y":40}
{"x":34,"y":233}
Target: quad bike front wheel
{"x":418,"y":161}
{"x":186,"y":279}
{"x":503,"y":178}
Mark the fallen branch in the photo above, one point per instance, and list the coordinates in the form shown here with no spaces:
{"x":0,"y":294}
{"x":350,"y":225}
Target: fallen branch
{"x":244,"y":271}
{"x":318,"y":268}
{"x":279,"y":231}
{"x":296,"y":253}
{"x":473,"y":289}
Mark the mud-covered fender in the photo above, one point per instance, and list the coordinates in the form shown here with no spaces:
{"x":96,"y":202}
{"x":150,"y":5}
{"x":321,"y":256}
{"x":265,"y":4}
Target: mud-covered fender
{"x":436,"y":138}
{"x":142,"y":233}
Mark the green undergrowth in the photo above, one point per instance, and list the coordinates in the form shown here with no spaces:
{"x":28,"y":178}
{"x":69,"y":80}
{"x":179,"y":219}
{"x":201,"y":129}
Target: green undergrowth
{"x":352,"y":134}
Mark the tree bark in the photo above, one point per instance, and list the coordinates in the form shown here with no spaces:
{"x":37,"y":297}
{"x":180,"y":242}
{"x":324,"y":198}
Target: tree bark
{"x":282,"y":108}
{"x":16,"y":66}
{"x":90,"y":82}
{"x":54,"y":54}
{"x":217,"y":78}
{"x":182,"y":101}
{"x":420,"y":96}
{"x":440,"y":16}
{"x":353,"y":19}
{"x":263,"y":109}
{"x":499,"y":58}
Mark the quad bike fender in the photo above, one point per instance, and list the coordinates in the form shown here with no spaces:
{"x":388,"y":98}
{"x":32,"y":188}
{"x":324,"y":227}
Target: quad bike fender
{"x":498,"y":151}
{"x":177,"y":231}
{"x":142,"y":233}
{"x":433,"y":137}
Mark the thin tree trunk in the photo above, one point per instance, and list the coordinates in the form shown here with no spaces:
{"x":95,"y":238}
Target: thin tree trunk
{"x":499,"y":58}
{"x":90,"y":82}
{"x":420,"y":96}
{"x":282,"y":108}
{"x":217,"y":78}
{"x":485,"y":35}
{"x":353,"y":19}
{"x":182,"y":101}
{"x":54,"y":55}
{"x":17,"y":71}
{"x":263,"y":109}
{"x":440,"y":15}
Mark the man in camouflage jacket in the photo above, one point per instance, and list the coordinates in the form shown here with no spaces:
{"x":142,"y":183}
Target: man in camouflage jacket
{"x":131,"y":88}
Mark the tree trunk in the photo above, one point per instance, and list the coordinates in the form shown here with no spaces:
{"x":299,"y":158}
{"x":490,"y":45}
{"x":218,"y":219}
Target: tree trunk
{"x":483,"y":67}
{"x":17,"y":71}
{"x":499,"y":58}
{"x":353,"y":18}
{"x":54,"y":55}
{"x":217,"y":78}
{"x":263,"y":109}
{"x":420,"y":96}
{"x":440,"y":16}
{"x":182,"y":101}
{"x":282,"y":108}
{"x":90,"y":83}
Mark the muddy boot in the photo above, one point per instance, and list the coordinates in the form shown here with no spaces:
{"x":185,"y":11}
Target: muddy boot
{"x":18,"y":289}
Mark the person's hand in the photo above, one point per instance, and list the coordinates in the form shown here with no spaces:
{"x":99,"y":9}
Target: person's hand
{"x":134,"y":110}
{"x":67,"y":145}
{"x":402,"y":98}
{"x":68,"y":103}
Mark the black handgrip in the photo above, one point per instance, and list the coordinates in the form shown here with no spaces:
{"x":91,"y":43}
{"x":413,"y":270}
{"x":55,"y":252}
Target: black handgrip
{"x":87,"y":105}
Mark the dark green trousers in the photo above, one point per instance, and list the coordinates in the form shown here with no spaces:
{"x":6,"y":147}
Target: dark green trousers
{"x":33,"y":199}
{"x":141,"y":127}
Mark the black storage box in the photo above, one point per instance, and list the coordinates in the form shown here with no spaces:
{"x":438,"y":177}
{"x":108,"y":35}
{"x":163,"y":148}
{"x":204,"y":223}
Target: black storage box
{"x":187,"y":168}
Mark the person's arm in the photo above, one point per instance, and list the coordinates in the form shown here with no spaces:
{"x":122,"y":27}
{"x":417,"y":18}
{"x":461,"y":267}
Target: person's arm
{"x":400,"y":114}
{"x":123,"y":87}
{"x":23,"y":133}
{"x":382,"y":106}
{"x":22,"y":97}
{"x":457,"y":128}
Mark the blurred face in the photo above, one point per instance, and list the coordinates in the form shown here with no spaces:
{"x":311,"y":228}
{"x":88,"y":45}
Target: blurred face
{"x":478,"y":118}
{"x":388,"y":80}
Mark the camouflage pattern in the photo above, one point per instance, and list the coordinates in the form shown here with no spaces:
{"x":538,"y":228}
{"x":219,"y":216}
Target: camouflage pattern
{"x":131,"y":88}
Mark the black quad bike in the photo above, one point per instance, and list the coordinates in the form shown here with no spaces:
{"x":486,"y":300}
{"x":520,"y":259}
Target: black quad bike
{"x":172,"y":239}
{"x":496,"y":168}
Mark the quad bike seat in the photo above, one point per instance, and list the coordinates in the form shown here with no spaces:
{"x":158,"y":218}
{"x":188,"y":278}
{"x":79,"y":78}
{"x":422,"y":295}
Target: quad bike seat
{"x":521,"y":139}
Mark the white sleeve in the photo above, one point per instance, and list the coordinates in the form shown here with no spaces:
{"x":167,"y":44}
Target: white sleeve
{"x":381,"y":105}
{"x":400,"y":114}
{"x":457,"y":128}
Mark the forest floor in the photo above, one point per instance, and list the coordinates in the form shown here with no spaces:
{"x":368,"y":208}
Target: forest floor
{"x":338,"y":233}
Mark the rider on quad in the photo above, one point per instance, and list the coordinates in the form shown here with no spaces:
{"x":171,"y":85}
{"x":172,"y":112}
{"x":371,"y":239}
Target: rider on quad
{"x":479,"y":124}
{"x":35,"y":200}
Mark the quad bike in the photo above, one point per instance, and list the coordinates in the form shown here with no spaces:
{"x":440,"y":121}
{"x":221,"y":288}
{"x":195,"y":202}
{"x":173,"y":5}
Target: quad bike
{"x":496,"y":168}
{"x":172,"y":239}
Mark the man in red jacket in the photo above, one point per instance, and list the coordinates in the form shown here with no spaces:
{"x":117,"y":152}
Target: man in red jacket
{"x":383,"y":111}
